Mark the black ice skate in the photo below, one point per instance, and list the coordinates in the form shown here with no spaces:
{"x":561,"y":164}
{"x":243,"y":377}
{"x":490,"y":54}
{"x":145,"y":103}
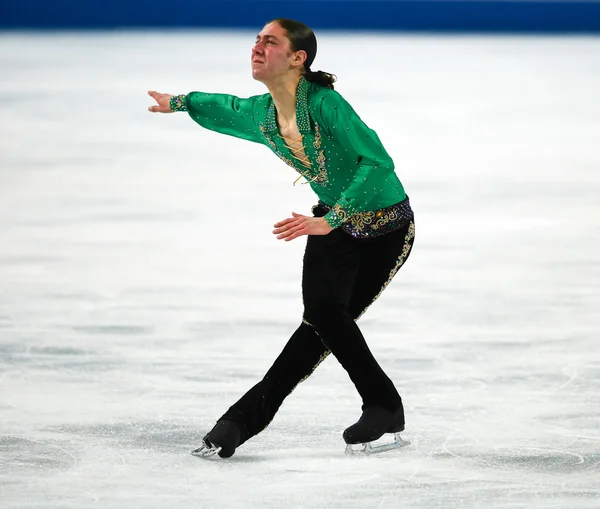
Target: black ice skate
{"x":374,"y":423}
{"x":222,"y":440}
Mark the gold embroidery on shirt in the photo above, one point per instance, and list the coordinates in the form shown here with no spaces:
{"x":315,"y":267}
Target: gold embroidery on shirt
{"x":305,"y":170}
{"x":321,"y":178}
{"x":317,"y":143}
{"x":375,"y":220}
{"x":275,"y":149}
{"x":342,"y":214}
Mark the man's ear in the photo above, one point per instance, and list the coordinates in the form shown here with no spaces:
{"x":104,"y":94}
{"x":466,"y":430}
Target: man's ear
{"x":300,"y":57}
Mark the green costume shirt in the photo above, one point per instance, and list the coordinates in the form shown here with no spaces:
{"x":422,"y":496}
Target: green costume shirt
{"x":350,"y":171}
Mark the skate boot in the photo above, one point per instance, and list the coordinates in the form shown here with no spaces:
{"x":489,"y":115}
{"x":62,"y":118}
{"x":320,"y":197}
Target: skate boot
{"x":397,"y":421}
{"x":222,"y":440}
{"x":374,"y":423}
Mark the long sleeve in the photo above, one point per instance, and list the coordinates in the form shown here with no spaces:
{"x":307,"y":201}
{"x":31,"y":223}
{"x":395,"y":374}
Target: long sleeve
{"x":374,"y":163}
{"x":225,"y":114}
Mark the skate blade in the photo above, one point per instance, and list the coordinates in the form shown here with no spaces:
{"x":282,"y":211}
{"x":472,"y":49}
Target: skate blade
{"x":375,"y":447}
{"x":205,"y":451}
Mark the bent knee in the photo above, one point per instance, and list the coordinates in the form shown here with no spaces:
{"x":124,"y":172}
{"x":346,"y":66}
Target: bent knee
{"x":321,"y":310}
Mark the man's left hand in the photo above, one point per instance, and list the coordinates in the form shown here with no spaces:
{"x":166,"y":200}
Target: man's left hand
{"x":299,"y":225}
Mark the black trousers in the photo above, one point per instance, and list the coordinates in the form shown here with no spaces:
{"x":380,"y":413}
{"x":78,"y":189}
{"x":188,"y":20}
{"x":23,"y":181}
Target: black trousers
{"x":342,"y":276}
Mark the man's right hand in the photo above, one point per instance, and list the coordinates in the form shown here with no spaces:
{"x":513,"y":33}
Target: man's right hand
{"x":163,"y":102}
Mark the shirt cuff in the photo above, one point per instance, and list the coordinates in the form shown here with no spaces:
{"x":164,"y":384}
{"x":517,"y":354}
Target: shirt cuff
{"x":178,"y":103}
{"x":336,"y":216}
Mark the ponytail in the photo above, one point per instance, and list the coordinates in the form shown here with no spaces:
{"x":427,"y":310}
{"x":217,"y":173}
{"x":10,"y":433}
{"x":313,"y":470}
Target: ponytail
{"x":321,"y":78}
{"x":302,"y":37}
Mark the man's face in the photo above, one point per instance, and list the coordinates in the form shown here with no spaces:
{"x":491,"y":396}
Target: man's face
{"x":272,"y":54}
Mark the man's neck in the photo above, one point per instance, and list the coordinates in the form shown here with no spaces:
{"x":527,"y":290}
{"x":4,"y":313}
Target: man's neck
{"x":284,"y":96}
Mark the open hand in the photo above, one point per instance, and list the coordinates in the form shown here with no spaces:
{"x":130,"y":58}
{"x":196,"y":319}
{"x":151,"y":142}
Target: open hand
{"x":299,"y":225}
{"x":163,"y":102}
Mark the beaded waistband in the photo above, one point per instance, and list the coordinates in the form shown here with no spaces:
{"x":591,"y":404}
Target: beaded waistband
{"x":374,"y":223}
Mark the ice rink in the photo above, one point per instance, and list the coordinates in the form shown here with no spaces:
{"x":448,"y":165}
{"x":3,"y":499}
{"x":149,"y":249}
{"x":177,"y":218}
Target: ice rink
{"x":142,"y":291}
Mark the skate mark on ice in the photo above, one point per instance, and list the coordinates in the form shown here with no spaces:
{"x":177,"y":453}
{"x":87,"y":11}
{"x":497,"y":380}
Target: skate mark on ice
{"x":580,"y":426}
{"x":570,"y":371}
{"x":575,"y":435}
{"x":34,"y":455}
{"x":149,"y":436}
{"x":589,"y":372}
{"x":586,"y":372}
{"x":539,"y":459}
{"x":316,"y":475}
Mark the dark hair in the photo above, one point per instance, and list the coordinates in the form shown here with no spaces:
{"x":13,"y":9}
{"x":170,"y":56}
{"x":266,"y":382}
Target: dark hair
{"x":303,"y":38}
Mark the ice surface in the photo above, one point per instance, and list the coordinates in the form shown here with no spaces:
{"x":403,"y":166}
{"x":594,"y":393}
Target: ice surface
{"x":142,"y":292}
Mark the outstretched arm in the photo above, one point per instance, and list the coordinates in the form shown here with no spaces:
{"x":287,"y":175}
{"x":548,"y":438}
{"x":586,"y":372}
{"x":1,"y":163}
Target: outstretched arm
{"x":223,"y":113}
